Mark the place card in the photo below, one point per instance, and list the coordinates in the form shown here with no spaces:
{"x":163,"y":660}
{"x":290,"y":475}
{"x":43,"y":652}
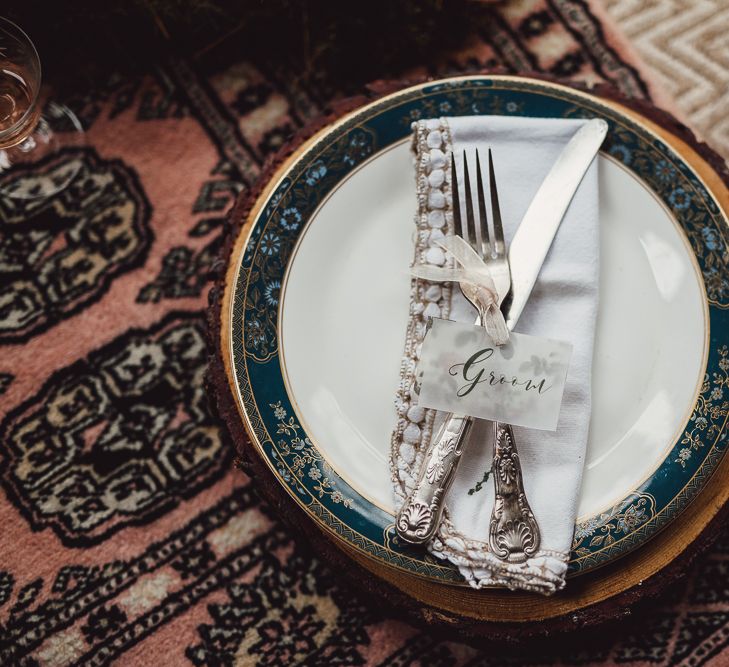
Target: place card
{"x":519,"y":383}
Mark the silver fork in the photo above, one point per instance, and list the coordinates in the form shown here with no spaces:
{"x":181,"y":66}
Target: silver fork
{"x":513,"y":532}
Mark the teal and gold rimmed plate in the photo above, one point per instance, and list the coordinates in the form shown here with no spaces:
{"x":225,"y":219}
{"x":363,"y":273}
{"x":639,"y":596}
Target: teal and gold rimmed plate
{"x":316,"y":299}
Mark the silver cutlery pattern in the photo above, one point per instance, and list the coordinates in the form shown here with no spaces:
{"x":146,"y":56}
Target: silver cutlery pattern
{"x":513,"y":533}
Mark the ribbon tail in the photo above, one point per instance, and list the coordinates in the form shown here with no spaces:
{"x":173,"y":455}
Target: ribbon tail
{"x":495,"y":325}
{"x":437,"y":274}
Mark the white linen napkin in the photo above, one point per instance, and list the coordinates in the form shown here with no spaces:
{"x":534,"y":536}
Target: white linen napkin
{"x":562,"y":306}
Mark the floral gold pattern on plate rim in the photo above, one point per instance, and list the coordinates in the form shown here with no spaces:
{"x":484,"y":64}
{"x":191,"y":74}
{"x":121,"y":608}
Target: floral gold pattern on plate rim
{"x":276,"y":222}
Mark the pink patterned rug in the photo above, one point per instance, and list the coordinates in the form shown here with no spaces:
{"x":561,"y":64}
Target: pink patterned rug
{"x":127,"y":534}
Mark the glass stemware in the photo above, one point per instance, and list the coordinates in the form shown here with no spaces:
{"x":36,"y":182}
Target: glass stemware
{"x":32,"y":130}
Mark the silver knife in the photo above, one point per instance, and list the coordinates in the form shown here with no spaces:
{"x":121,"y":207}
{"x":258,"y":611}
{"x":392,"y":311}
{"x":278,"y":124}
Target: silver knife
{"x":419,"y":516}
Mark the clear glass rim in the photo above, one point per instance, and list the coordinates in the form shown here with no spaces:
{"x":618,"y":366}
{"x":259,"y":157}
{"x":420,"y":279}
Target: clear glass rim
{"x":36,"y":92}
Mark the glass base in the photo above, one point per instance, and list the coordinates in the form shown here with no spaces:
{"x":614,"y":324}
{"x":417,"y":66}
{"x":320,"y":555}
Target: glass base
{"x":22,"y":175}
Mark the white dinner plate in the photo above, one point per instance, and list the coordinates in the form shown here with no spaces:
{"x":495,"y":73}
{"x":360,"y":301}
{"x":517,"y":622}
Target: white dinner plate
{"x":319,"y":306}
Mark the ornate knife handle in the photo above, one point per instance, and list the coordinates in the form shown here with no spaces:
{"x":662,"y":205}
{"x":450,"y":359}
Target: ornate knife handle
{"x":513,"y":530}
{"x":419,"y":516}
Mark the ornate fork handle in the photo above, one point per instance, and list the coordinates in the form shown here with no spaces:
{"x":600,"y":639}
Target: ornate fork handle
{"x":419,"y":516}
{"x":513,"y":530}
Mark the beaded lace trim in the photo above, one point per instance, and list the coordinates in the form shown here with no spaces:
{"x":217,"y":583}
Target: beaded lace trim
{"x":433,"y":220}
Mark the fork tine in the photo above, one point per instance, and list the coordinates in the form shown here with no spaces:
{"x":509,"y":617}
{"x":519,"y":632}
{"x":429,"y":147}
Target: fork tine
{"x":482,"y":231}
{"x":499,"y":246}
{"x":457,"y":222}
{"x":470,"y":231}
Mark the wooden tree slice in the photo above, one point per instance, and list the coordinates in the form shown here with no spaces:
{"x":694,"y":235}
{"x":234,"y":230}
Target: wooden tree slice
{"x":590,"y":599}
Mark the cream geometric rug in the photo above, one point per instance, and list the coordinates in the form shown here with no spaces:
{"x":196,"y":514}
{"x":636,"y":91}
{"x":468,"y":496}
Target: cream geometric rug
{"x":686,"y":44}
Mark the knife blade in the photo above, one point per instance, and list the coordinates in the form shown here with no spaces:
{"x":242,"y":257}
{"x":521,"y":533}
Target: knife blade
{"x":540,"y":223}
